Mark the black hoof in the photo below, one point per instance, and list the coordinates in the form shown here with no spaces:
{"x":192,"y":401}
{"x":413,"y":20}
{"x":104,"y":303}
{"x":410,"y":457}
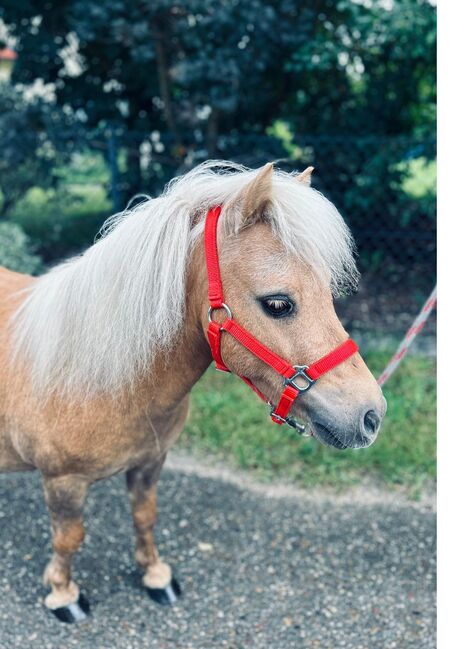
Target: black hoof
{"x":76,"y":612}
{"x":166,"y":596}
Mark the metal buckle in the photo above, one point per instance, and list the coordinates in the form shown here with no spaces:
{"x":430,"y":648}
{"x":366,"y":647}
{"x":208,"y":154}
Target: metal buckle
{"x":300,"y":372}
{"x":211,"y":309}
{"x":290,"y":421}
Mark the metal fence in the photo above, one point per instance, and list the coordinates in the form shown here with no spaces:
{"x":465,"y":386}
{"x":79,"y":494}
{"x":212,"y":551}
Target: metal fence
{"x":381,"y":185}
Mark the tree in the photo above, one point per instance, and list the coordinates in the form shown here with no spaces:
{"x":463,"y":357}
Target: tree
{"x":31,"y":141}
{"x":209,"y":76}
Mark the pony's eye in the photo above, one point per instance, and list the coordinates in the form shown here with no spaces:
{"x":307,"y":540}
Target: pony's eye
{"x":277,"y":306}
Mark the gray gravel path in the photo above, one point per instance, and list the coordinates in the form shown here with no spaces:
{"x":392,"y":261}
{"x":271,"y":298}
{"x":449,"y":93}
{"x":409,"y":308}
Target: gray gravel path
{"x":257,"y":571}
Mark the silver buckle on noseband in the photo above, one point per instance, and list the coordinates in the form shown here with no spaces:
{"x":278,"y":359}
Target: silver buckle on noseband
{"x":300,"y":373}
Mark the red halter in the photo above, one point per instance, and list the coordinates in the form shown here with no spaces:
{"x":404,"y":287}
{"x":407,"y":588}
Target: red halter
{"x":296,"y":378}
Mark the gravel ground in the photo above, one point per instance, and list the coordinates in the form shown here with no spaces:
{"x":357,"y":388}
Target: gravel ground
{"x":259,"y":569}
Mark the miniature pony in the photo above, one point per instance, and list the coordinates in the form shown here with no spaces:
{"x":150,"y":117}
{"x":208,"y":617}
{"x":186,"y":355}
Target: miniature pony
{"x":98,"y":356}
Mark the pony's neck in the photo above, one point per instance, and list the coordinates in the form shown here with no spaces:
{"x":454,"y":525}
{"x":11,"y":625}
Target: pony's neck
{"x":175,"y":373}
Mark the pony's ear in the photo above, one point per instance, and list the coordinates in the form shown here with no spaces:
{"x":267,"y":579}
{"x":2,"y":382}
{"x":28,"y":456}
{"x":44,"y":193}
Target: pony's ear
{"x":253,"y":199}
{"x":305,"y":176}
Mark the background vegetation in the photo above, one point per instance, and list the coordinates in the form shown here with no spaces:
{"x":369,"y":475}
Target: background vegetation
{"x":111,"y":98}
{"x":226,"y":421}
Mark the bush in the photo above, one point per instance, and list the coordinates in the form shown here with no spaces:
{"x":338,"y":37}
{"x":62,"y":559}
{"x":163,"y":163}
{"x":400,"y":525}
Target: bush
{"x":62,"y":222}
{"x":15,"y":250}
{"x":33,"y":142}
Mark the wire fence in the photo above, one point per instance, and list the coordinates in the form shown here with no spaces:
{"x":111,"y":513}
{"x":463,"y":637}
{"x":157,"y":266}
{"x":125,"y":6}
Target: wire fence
{"x":383,"y":186}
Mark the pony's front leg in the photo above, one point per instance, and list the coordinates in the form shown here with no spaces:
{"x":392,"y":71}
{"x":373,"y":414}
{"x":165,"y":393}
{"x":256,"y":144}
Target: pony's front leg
{"x":65,"y":499}
{"x":157,"y":578}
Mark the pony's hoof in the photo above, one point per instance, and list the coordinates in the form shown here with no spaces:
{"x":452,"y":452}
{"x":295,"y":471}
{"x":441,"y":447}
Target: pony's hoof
{"x":166,"y":596}
{"x":75,"y":612}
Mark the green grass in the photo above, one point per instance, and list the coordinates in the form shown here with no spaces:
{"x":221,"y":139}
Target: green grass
{"x":228,"y":421}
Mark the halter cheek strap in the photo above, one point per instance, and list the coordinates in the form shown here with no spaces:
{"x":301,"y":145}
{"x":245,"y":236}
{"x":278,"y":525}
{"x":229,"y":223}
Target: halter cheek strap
{"x":296,"y":378}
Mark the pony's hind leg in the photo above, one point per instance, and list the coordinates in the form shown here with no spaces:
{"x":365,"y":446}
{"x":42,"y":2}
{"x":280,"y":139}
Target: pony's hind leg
{"x":157,"y":578}
{"x":65,"y":499}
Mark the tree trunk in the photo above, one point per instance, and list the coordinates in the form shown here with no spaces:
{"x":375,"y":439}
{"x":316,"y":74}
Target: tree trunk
{"x":134,"y":172}
{"x":212,"y":134}
{"x":160,"y":28}
{"x":7,"y":203}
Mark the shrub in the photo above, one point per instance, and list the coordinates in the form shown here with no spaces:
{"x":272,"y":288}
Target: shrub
{"x":15,"y":250}
{"x":64,"y":221}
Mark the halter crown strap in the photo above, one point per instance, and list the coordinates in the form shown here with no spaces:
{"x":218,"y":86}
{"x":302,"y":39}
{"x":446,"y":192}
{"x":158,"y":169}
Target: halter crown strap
{"x":297,"y":379}
{"x":215,"y":287}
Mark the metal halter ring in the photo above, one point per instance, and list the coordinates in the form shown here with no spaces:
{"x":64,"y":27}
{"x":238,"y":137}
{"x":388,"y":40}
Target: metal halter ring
{"x":211,"y":309}
{"x":300,"y":372}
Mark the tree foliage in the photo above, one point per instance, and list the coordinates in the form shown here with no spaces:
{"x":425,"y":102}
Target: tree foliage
{"x":202,"y":71}
{"x":16,"y":250}
{"x":30,"y":144}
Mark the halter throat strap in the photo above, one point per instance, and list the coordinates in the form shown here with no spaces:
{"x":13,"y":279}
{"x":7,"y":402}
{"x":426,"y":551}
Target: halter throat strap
{"x":296,"y":378}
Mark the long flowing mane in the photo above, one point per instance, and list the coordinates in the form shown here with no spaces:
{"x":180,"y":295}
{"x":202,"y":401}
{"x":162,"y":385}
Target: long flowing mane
{"x":95,"y":322}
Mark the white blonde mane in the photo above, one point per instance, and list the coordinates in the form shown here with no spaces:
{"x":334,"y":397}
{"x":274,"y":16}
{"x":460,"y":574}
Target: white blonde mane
{"x":95,"y":322}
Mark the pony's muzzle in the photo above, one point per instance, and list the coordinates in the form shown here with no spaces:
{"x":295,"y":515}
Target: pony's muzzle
{"x":352,"y":431}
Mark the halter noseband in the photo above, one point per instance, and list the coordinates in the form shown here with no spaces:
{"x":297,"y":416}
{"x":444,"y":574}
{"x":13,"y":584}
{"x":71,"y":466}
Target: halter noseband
{"x":297,"y":379}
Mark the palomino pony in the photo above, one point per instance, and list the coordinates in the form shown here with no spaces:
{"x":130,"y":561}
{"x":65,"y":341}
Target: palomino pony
{"x":98,"y":356}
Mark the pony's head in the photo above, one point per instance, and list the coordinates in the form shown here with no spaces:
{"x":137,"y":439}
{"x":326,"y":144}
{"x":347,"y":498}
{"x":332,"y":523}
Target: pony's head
{"x":284,"y":251}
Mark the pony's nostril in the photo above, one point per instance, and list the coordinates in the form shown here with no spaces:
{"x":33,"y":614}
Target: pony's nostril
{"x":371,"y":422}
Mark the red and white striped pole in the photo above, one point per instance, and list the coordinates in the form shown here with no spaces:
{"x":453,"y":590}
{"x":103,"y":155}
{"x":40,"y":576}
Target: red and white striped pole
{"x":413,"y":331}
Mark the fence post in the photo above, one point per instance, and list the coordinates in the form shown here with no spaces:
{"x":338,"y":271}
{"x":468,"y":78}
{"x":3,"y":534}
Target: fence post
{"x":112,"y":151}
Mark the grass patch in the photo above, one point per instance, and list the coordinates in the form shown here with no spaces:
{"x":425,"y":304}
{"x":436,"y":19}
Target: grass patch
{"x":228,"y":421}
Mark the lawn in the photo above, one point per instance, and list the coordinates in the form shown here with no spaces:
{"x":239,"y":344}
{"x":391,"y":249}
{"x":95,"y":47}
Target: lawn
{"x":227,"y":421}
